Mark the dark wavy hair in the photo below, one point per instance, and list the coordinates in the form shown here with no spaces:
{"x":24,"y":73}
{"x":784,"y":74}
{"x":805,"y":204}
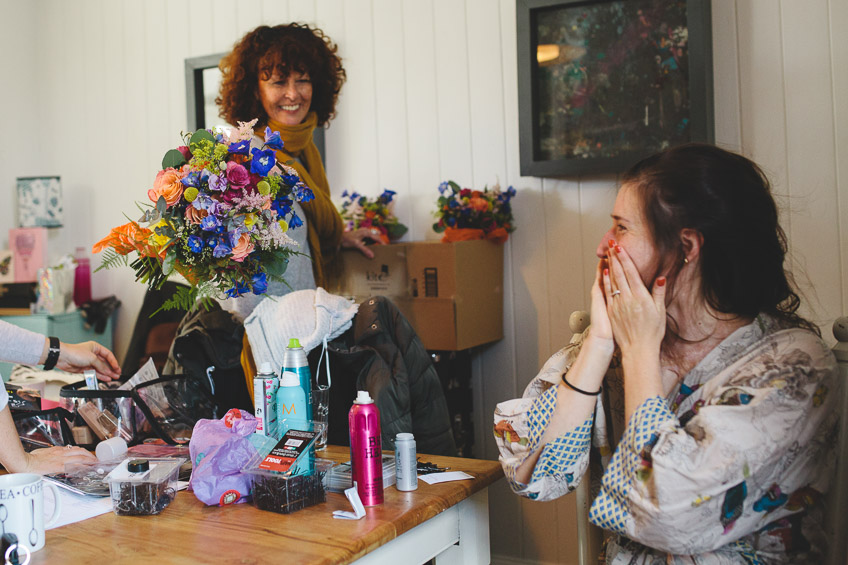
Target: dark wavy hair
{"x":727,"y":199}
{"x":281,"y":49}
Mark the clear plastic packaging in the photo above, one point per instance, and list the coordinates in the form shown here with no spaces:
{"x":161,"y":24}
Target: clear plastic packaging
{"x":300,"y":486}
{"x":143,"y":490}
{"x":339,"y":478}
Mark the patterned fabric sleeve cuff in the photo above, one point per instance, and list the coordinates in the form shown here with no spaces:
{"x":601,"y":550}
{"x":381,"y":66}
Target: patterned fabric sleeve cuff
{"x":563,"y":456}
{"x":645,"y":421}
{"x":611,"y":508}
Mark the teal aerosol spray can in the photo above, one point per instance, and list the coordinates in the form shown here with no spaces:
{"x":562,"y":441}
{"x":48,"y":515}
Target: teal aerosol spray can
{"x":294,"y":361}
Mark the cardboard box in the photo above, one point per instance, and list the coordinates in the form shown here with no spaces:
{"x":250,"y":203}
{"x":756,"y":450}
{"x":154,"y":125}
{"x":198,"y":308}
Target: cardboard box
{"x":451,"y":293}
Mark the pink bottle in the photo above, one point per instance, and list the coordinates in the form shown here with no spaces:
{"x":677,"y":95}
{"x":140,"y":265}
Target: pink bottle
{"x":82,"y":278}
{"x":366,"y":452}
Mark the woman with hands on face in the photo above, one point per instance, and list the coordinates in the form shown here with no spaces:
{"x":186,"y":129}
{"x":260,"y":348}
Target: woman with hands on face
{"x":18,"y":345}
{"x":709,"y":399}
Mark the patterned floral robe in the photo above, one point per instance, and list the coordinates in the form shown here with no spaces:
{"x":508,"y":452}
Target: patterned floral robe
{"x":730,"y":468}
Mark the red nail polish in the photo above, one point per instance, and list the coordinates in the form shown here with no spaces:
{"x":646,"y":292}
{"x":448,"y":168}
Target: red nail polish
{"x":618,"y":249}
{"x":661,"y":281}
{"x":606,"y":272}
{"x":611,"y":243}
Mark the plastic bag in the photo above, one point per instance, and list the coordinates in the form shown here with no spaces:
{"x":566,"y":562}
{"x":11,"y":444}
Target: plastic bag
{"x":173,"y":405}
{"x":43,"y":428}
{"x":219,"y":449}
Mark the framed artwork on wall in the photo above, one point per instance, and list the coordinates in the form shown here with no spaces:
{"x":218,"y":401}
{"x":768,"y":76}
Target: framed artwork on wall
{"x":604,"y":83}
{"x":39,"y":202}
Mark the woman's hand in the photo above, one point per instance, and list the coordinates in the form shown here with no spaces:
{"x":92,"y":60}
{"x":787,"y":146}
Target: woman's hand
{"x":636,"y":315}
{"x":601,"y":328}
{"x":77,"y":357}
{"x":358,"y":239}
{"x":54,"y":459}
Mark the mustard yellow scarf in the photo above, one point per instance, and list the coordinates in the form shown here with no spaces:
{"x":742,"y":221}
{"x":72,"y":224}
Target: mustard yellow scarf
{"x":324,"y":224}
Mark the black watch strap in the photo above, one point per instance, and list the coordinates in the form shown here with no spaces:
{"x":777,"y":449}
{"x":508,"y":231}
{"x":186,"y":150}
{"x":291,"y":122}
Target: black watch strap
{"x":52,"y":354}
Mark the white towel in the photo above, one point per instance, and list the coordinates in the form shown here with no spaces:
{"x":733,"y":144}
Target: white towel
{"x":308,"y":315}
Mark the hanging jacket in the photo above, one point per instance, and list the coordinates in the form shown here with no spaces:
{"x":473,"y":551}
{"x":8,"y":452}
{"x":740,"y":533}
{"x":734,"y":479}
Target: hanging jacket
{"x":208,"y":347}
{"x":381,"y":353}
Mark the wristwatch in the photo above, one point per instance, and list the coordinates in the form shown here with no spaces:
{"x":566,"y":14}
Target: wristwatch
{"x":52,"y":354}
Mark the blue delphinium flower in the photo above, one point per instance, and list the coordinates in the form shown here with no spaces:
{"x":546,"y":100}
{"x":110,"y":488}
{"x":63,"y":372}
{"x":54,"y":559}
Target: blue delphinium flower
{"x":191,"y":179}
{"x":295,"y":221}
{"x":272,"y":139}
{"x":450,"y":221}
{"x":240,"y":147}
{"x":238,"y":288}
{"x":262,"y":161}
{"x":221,"y":250}
{"x":303,"y":193}
{"x":453,"y":204}
{"x":195,"y":243}
{"x":281,"y":206}
{"x":210,"y":223}
{"x":260,"y":283}
{"x":291,"y":180}
{"x":443,"y":187}
{"x":387,"y":195}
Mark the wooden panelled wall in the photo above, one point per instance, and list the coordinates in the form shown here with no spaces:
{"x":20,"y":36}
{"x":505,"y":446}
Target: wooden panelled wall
{"x":93,"y":90}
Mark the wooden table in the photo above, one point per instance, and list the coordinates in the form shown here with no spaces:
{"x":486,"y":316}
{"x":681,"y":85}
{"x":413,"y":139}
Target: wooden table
{"x":449,"y":521}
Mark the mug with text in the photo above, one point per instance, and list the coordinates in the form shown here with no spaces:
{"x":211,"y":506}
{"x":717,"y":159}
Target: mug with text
{"x":22,"y":508}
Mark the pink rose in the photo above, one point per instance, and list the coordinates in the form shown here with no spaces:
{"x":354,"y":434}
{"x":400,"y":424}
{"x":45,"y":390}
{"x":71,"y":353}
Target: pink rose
{"x":186,"y":152}
{"x":195,"y":216}
{"x":243,"y":248}
{"x":167,"y":184}
{"x":237,"y":175}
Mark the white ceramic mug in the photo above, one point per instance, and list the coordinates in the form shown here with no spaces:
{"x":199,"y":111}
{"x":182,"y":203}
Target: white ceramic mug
{"x":22,"y":508}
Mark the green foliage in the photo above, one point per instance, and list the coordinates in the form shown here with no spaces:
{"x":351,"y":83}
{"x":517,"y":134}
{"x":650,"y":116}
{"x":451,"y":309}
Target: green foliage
{"x":173,"y":159}
{"x":110,"y":260}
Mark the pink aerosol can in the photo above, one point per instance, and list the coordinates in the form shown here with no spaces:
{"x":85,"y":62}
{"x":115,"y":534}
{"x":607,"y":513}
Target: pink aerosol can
{"x":366,"y":452}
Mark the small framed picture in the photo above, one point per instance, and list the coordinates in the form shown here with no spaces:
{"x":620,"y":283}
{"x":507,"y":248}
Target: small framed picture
{"x":39,"y":202}
{"x":7,"y":267}
{"x":29,"y":252}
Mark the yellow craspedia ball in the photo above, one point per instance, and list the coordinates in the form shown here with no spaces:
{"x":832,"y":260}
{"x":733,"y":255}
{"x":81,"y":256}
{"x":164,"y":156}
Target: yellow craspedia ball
{"x":156,"y":239}
{"x":263,"y":187}
{"x":284,"y":225}
{"x":249,"y":220}
{"x":190,"y":194}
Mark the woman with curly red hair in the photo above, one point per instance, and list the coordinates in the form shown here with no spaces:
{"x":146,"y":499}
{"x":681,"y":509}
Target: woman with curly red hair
{"x":289,"y":77}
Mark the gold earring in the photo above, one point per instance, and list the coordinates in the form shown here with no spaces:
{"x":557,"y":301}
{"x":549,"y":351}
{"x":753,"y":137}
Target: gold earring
{"x":685,"y":261}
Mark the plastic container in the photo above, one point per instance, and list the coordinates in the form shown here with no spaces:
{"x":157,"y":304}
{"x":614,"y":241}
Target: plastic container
{"x":366,"y":451}
{"x":294,"y":361}
{"x":286,"y":492}
{"x":143,"y":486}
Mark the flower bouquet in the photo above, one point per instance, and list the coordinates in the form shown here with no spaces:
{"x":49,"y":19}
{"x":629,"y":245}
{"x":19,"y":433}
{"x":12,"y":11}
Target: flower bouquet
{"x":474,"y":214}
{"x":358,"y":211}
{"x":219,"y":212}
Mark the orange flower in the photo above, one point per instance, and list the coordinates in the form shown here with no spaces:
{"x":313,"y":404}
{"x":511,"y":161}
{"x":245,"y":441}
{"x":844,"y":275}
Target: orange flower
{"x":195,"y":216}
{"x":479,"y":204}
{"x":243,"y":248}
{"x":126,"y":239}
{"x":167,"y":184}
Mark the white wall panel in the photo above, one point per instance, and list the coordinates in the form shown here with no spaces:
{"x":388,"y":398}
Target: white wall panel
{"x":839,"y":62}
{"x":811,"y":164}
{"x":390,"y":96}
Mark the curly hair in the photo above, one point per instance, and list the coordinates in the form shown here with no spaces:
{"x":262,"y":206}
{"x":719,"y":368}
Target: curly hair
{"x":727,"y":199}
{"x":280,"y":49}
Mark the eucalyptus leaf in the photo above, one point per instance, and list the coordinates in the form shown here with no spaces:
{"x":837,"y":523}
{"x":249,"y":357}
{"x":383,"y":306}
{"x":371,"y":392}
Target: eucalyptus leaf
{"x":161,"y":205}
{"x":168,"y":263}
{"x":198,"y":136}
{"x":173,"y":159}
{"x":396,"y":230}
{"x":277,"y":268}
